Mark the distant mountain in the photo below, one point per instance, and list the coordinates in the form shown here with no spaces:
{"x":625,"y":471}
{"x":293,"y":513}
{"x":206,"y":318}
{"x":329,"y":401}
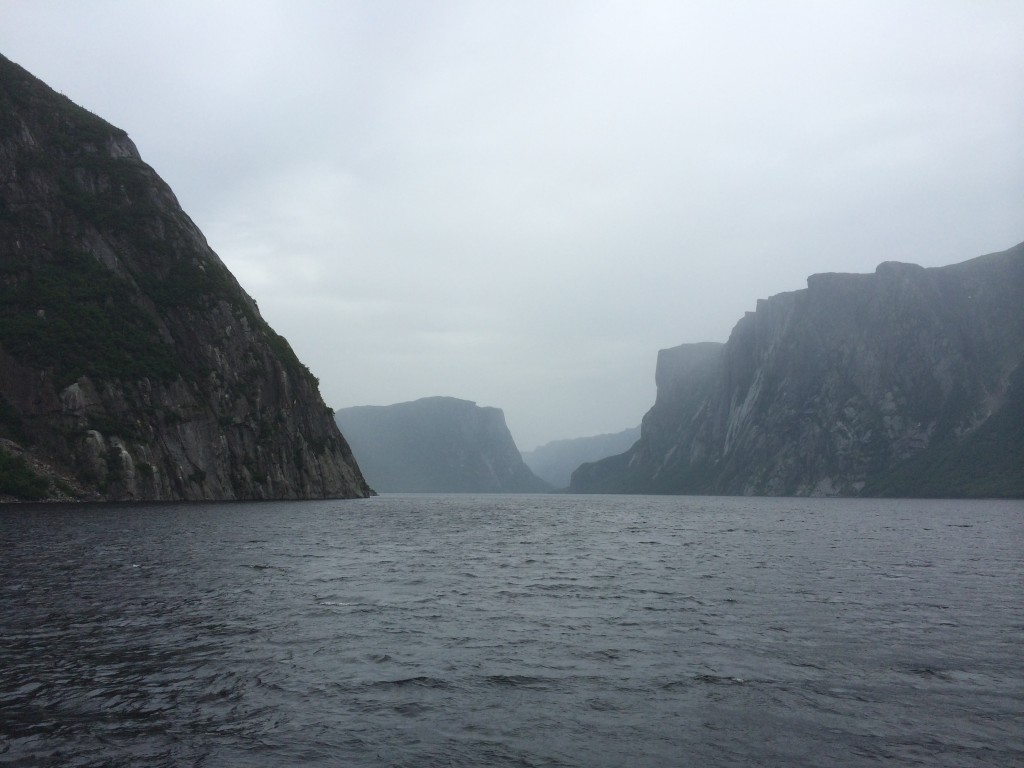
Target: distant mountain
{"x":437,"y":445}
{"x":554,"y":462}
{"x":132,"y":364}
{"x":905,"y":382}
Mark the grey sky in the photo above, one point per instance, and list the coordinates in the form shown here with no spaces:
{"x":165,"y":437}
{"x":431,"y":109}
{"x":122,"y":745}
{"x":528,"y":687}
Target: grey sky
{"x":519,"y":203}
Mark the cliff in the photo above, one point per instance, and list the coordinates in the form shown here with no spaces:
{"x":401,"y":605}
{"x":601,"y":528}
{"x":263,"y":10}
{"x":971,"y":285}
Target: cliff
{"x":437,"y":445}
{"x":554,"y":462}
{"x":132,"y":364}
{"x":905,"y":382}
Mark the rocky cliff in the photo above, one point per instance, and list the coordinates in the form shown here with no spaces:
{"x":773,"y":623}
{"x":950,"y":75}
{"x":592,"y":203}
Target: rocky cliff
{"x":437,"y":445}
{"x":554,"y":462}
{"x":906,"y":382}
{"x":132,"y":364}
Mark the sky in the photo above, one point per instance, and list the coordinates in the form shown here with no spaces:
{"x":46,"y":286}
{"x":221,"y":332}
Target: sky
{"x":519,"y":203}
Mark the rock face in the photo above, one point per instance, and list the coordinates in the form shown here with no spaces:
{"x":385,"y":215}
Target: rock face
{"x":905,"y":382}
{"x":132,"y":364}
{"x":437,"y":445}
{"x":554,"y":462}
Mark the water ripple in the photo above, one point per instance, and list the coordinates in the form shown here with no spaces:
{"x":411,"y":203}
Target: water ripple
{"x":513,"y":631}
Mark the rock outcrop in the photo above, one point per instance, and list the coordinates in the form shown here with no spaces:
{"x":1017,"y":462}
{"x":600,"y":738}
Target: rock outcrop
{"x":554,"y":462}
{"x":905,"y":382}
{"x":132,"y":364}
{"x":437,"y":445}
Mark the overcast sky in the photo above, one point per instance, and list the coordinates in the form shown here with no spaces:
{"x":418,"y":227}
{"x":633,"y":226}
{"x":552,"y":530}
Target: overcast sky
{"x":519,"y":203}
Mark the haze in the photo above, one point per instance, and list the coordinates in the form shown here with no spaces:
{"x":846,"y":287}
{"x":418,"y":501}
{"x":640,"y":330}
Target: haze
{"x":520,"y":203}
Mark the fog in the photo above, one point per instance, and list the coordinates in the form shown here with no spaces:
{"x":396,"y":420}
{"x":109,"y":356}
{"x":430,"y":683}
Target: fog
{"x":520,"y":203}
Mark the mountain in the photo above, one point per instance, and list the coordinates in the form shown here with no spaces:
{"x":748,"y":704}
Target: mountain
{"x":437,"y":445}
{"x":555,"y":461}
{"x":132,"y":364}
{"x":905,"y":382}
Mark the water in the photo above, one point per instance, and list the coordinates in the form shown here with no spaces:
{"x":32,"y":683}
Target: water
{"x":513,"y":631}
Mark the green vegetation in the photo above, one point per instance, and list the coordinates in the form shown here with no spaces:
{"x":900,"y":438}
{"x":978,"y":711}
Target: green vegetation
{"x":190,"y":284}
{"x":89,"y":326}
{"x":10,"y":422}
{"x":61,"y":122}
{"x":286,"y":354}
{"x":72,"y":315}
{"x":988,"y":463}
{"x":18,"y":480}
{"x":121,"y":200}
{"x":106,"y":277}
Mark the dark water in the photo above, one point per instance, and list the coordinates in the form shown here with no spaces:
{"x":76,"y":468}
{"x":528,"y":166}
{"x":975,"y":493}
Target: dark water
{"x":514,"y":631}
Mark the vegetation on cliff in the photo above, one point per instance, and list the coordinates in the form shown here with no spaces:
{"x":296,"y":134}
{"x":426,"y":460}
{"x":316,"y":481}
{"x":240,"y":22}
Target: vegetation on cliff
{"x":132,"y":364}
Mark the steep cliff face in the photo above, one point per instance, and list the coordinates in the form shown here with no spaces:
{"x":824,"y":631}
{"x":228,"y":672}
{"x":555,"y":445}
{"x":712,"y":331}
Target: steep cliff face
{"x":658,"y":462}
{"x":132,"y":364}
{"x":437,"y":445}
{"x":907,"y":381}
